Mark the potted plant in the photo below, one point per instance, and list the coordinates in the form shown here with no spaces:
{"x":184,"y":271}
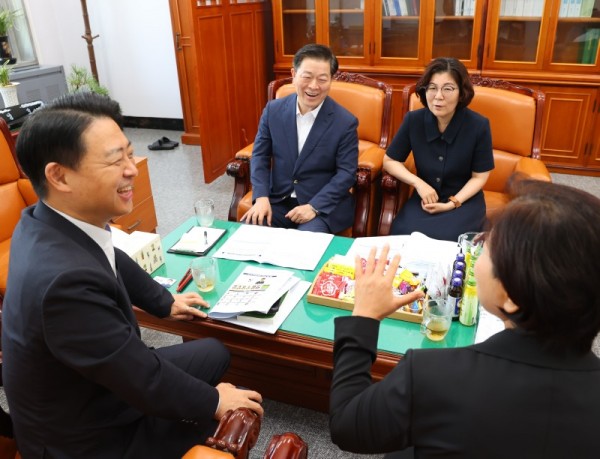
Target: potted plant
{"x":80,"y":79}
{"x":8,"y":89}
{"x":7,"y":22}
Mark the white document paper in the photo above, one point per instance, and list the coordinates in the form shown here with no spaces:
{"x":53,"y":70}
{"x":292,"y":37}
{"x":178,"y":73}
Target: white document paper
{"x":254,"y":290}
{"x":418,"y":252}
{"x":488,"y":325}
{"x":288,"y":248}
{"x":292,"y":298}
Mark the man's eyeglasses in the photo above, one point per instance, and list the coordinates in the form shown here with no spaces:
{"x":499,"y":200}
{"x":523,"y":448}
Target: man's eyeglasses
{"x":446,"y":90}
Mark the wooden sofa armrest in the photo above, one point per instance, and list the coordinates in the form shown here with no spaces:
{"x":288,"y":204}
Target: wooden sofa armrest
{"x":239,"y":169}
{"x":394,"y":195}
{"x":246,"y":152}
{"x":236,"y":434}
{"x":370,"y":163}
{"x":533,"y":169}
{"x":286,"y":446}
{"x":390,"y":203}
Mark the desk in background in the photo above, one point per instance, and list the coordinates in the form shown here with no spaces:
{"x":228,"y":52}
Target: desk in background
{"x":295,"y":364}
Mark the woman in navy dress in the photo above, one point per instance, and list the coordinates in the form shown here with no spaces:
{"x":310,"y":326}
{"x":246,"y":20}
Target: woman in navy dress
{"x":452,"y":149}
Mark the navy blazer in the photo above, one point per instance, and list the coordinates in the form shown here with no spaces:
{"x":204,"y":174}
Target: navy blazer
{"x":72,"y":349}
{"x":322,"y":174}
{"x":506,"y":397}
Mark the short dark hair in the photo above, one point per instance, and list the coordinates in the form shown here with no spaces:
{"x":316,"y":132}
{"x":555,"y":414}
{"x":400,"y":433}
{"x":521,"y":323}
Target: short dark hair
{"x":53,"y":133}
{"x":459,"y":73}
{"x":316,"y":51}
{"x":545,"y":249}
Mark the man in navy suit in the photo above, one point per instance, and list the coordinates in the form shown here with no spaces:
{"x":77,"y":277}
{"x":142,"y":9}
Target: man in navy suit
{"x":79,"y":380}
{"x":305,"y":153}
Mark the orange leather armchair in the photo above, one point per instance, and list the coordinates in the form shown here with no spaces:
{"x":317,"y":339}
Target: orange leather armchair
{"x":16,"y":193}
{"x":515,"y":115}
{"x":367,"y":99}
{"x":237,"y":434}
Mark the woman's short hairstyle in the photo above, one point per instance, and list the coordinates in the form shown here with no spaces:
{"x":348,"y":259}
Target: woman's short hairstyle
{"x":545,"y":249}
{"x":318,"y":52}
{"x":459,"y":74}
{"x":54,"y":133}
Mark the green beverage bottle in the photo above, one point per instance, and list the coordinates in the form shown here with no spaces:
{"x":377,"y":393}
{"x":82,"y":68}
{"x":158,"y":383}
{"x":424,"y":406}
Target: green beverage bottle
{"x":469,"y":302}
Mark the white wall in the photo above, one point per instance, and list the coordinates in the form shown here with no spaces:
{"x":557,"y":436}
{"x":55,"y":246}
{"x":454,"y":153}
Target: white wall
{"x":135,"y":56}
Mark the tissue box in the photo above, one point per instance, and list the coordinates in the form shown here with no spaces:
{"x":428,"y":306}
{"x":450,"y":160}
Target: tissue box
{"x":144,"y":248}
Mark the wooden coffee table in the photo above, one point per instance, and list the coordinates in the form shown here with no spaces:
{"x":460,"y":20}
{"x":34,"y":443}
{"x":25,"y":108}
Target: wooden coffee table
{"x":295,"y":364}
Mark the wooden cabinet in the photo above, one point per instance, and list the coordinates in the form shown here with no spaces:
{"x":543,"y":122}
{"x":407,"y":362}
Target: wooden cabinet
{"x":185,"y":55}
{"x":367,"y":33}
{"x":224,"y":57}
{"x":143,"y":215}
{"x":568,"y":127}
{"x":543,"y":35}
{"x":551,"y":45}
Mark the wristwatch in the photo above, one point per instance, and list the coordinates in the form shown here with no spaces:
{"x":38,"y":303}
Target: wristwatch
{"x":317,"y":213}
{"x":455,"y":201}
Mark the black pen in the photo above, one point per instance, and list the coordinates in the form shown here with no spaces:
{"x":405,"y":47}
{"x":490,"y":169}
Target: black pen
{"x":205,"y":238}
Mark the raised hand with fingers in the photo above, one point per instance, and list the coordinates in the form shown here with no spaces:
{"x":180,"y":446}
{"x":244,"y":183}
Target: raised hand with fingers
{"x":373,"y":295}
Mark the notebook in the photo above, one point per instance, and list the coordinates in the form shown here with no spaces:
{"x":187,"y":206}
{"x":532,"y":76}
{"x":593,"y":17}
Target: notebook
{"x":197,"y":241}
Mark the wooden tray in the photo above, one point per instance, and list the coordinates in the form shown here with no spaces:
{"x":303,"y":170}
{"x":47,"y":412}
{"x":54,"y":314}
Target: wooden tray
{"x":335,"y":303}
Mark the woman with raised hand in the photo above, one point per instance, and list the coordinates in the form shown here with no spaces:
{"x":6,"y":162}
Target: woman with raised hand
{"x":528,"y":391}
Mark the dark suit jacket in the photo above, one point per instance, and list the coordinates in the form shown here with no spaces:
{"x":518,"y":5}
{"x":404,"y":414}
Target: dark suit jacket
{"x":504,"y":398}
{"x":77,"y":375}
{"x":322,"y":174}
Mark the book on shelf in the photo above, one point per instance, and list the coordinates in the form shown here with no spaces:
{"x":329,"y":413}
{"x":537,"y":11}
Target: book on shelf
{"x":528,"y":8}
{"x":197,"y":241}
{"x":587,"y":8}
{"x":574,"y":8}
{"x":590,"y":46}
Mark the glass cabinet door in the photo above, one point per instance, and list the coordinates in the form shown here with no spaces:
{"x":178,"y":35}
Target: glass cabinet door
{"x":577,"y":34}
{"x":456,"y":32}
{"x":519,"y":31}
{"x":298,"y":26}
{"x":346,"y":29}
{"x":399,"y":32}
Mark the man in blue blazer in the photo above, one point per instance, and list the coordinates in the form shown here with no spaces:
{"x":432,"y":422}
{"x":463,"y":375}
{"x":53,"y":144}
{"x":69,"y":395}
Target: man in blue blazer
{"x":79,"y":380}
{"x":305,"y":153}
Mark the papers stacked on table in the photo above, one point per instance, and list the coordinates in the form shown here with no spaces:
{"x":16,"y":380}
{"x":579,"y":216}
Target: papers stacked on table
{"x":260,"y":298}
{"x":288,"y":248}
{"x":418,"y":252}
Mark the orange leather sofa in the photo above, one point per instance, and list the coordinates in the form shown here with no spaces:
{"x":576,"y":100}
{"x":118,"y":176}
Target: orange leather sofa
{"x":16,"y":193}
{"x":515,"y":115}
{"x":367,"y":99}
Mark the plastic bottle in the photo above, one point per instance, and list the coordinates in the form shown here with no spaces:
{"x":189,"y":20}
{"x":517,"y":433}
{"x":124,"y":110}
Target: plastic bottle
{"x":459,"y":257}
{"x":460,"y":266}
{"x":454,"y":296}
{"x":469,"y":302}
{"x":458,"y":273}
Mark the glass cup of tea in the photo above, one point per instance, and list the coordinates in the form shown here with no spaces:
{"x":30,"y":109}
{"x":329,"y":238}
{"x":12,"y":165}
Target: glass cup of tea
{"x":205,"y":212}
{"x":204,"y":272}
{"x":437,"y":318}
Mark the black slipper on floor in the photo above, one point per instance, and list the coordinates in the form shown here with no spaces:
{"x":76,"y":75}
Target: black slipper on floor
{"x":163,"y":144}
